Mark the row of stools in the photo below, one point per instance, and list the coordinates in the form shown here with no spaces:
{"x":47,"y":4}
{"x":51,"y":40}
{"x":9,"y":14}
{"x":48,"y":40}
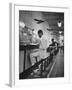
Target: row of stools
{"x":44,"y":63}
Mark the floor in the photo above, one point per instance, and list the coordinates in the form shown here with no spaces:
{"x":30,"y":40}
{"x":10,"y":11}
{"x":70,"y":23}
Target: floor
{"x":58,"y":69}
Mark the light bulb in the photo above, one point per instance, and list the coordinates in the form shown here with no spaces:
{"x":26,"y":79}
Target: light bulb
{"x":21,"y":24}
{"x":59,"y":24}
{"x":60,"y":32}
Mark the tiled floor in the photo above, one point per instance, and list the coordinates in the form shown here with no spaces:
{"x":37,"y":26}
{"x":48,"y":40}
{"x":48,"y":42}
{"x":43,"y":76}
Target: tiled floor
{"x":58,"y":69}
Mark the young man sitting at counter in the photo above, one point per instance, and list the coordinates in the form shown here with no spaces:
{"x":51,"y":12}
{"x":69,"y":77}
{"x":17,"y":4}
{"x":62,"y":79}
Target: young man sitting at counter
{"x":40,"y":53}
{"x":53,"y":46}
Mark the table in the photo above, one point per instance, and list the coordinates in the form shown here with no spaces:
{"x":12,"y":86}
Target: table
{"x":25,"y":48}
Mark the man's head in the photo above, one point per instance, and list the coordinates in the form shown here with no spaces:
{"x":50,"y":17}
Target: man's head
{"x":40,"y":33}
{"x":62,"y":40}
{"x":52,"y":40}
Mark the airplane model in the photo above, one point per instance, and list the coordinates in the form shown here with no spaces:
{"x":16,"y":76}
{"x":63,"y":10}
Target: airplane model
{"x":39,"y":21}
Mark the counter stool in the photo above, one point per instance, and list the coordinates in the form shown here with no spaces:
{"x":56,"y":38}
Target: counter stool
{"x":37,"y":66}
{"x":43,"y":65}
